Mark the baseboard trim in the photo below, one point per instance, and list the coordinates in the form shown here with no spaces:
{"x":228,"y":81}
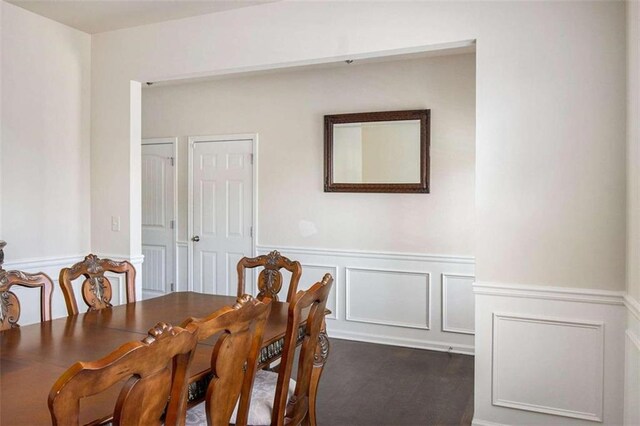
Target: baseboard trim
{"x":478,"y":422}
{"x":369,"y":254}
{"x":399,"y":341}
{"x":550,"y":293}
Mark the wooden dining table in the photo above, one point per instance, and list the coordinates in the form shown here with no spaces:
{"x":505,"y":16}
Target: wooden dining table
{"x":33,"y":357}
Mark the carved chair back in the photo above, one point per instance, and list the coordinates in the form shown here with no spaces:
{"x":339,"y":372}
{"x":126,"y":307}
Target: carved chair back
{"x":155,"y":376}
{"x":314,"y":349}
{"x":9,"y":303}
{"x":234,"y":356}
{"x":270,"y":278}
{"x":96,"y":287}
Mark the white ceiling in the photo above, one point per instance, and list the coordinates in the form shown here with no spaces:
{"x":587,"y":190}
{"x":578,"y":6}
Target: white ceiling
{"x":95,"y":16}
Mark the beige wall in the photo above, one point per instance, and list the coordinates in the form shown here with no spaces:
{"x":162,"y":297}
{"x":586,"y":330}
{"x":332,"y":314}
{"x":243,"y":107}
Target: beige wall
{"x":45,"y":137}
{"x":550,"y":179}
{"x":286,"y":110}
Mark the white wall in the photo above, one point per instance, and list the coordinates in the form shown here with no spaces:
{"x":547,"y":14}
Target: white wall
{"x":45,"y":137}
{"x":632,"y":383}
{"x":287,"y":109}
{"x":550,"y":150}
{"x":44,"y":164}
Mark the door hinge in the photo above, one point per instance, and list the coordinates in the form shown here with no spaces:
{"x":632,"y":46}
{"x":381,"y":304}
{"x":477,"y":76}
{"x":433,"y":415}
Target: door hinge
{"x":251,"y":231}
{"x":250,"y":158}
{"x":172,"y":224}
{"x":172,"y":161}
{"x":172,"y":287}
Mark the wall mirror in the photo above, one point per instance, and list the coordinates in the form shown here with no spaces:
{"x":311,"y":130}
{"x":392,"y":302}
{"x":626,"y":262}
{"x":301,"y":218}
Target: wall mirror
{"x":377,"y":152}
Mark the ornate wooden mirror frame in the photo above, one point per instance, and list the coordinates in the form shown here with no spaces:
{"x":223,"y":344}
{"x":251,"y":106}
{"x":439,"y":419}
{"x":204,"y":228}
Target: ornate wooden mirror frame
{"x":419,"y":186}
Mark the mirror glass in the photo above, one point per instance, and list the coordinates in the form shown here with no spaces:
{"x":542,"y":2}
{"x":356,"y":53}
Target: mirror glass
{"x":377,"y":151}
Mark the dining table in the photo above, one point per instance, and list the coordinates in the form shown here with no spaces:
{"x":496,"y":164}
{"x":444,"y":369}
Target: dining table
{"x":32,"y":357}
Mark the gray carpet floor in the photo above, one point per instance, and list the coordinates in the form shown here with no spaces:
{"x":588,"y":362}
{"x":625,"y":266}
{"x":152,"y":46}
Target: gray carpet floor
{"x":369,"y":384}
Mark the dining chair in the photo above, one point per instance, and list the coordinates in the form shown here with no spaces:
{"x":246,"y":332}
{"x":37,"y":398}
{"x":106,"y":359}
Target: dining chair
{"x":96,"y":287}
{"x":273,"y":401}
{"x":233,"y":360}
{"x":270,"y":278}
{"x":9,"y":302}
{"x":153,"y":374}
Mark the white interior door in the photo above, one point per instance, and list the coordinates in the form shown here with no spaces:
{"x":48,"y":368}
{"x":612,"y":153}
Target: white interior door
{"x":222,"y":209}
{"x":158,"y":195}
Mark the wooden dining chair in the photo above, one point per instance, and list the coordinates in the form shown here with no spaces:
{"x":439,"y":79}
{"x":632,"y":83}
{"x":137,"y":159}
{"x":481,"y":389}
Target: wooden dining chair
{"x":233,"y":360}
{"x":96,"y":288}
{"x":153,"y":373}
{"x":270,"y":278}
{"x":9,"y":302}
{"x":294,"y":406}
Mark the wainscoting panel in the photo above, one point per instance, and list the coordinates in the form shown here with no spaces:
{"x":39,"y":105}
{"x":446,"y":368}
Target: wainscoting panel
{"x":536,"y":350}
{"x":318,"y":271}
{"x":632,"y":363}
{"x":385,"y":293}
{"x":232,"y":275}
{"x":458,"y":310}
{"x":548,"y":355}
{"x":154,"y":271}
{"x":182,"y":262}
{"x":389,"y":298}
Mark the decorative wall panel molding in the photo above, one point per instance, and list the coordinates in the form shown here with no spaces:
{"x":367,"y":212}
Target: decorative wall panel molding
{"x":388,"y":297}
{"x":536,"y":366}
{"x":313,"y":273}
{"x":456,"y":316}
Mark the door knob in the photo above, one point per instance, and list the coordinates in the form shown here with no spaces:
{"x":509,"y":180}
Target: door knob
{"x":195,"y":239}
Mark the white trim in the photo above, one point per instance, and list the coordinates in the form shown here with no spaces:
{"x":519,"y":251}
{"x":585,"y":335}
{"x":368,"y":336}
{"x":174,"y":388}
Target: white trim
{"x":138,"y":259}
{"x":173,"y":141}
{"x":371,"y":254}
{"x":348,"y":316}
{"x":159,"y":141}
{"x":632,"y":305}
{"x":478,"y":422}
{"x":551,"y":293}
{"x":495,"y":400}
{"x":191,"y":140}
{"x":455,"y":348}
{"x":43,"y":262}
{"x":443,"y":292}
{"x":335,"y":289}
{"x":633,"y":338}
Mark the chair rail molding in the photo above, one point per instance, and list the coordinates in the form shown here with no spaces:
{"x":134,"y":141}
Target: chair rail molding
{"x":550,"y":293}
{"x":467,"y":260}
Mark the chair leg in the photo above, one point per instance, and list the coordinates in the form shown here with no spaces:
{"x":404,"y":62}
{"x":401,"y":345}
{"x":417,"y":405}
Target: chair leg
{"x":320,"y":358}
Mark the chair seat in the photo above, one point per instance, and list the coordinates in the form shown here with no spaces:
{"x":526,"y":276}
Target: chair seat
{"x":264,"y":389}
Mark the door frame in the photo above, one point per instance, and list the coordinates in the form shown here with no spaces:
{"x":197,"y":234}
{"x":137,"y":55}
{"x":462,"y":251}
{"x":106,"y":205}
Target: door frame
{"x":239,"y":137}
{"x":166,"y":141}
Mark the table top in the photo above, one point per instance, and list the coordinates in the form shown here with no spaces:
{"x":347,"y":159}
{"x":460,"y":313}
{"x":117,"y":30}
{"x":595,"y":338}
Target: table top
{"x":33,"y":357}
